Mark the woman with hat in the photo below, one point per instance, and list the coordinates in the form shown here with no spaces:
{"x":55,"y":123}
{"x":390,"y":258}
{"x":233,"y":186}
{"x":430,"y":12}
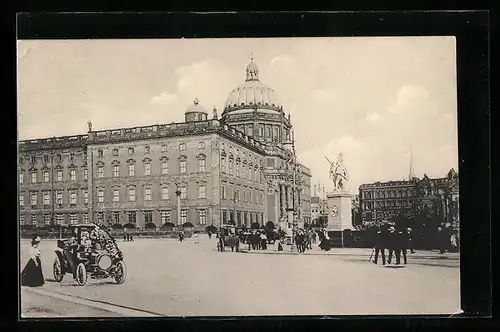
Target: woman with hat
{"x":32,"y":275}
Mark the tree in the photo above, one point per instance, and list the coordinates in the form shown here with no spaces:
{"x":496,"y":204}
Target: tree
{"x":270,"y":225}
{"x":255,"y":225}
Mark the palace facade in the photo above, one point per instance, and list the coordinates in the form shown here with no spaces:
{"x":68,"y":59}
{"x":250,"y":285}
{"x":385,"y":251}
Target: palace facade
{"x":437,"y":197}
{"x":205,"y":171}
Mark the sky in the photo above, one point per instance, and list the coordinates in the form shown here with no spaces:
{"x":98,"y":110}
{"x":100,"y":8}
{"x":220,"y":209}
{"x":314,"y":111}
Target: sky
{"x":374,"y":99}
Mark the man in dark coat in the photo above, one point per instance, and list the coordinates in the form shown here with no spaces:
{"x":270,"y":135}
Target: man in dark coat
{"x":393,"y":245}
{"x":403,"y":242}
{"x":379,"y":246}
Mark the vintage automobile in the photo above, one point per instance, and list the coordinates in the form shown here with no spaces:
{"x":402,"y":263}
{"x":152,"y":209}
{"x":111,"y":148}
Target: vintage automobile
{"x":90,"y":252}
{"x":228,"y":237}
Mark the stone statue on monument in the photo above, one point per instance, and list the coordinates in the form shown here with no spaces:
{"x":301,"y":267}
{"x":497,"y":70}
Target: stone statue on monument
{"x":338,"y":173}
{"x":89,"y":124}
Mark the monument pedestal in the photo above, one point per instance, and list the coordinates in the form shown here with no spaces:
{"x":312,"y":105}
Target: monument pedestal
{"x":339,"y":216}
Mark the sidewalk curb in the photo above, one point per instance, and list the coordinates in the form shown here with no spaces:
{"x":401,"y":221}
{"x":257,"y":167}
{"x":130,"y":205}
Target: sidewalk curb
{"x":101,"y":305}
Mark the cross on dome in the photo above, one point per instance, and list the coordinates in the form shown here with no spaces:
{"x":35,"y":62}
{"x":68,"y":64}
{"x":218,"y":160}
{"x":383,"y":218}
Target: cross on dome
{"x":196,"y":101}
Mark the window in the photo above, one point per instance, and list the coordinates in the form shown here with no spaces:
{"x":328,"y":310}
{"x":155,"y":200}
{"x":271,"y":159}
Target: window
{"x":183,"y":166}
{"x":223,"y":164}
{"x":201,"y":191}
{"x":100,"y":171}
{"x":116,"y":171}
{"x":165,"y":216}
{"x":100,"y":196}
{"x":230,"y":166}
{"x":85,"y":197}
{"x":244,"y":195}
{"x":163,"y":148}
{"x":21,"y":199}
{"x":261,"y":130}
{"x":21,"y":178}
{"x":147,"y":194}
{"x":85,"y":174}
{"x":243,"y":171}
{"x":45,"y":159}
{"x":33,"y":159}
{"x":164,"y":192}
{"x":59,"y":197}
{"x":148,"y":217}
{"x":147,"y":169}
{"x":59,"y":176}
{"x":132,"y":217}
{"x":237,"y":152}
{"x":46,"y":198}
{"x":184,"y":214}
{"x":116,"y":195}
{"x":72,"y":175}
{"x":201,"y":145}
{"x":238,"y":169}
{"x":116,"y":217}
{"x":59,"y":219}
{"x":100,"y":217}
{"x":223,"y":191}
{"x":72,"y":197}
{"x":85,"y":218}
{"x":21,"y":220}
{"x":46,"y":176}
{"x":115,"y":152}
{"x":147,"y":149}
{"x":33,"y":177}
{"x":164,"y":167}
{"x":33,"y":199}
{"x":33,"y":219}
{"x":202,"y":217}
{"x":130,"y":150}
{"x":131,"y":194}
{"x":59,"y":157}
{"x":183,"y":192}
{"x":73,"y":219}
{"x":182,"y":146}
{"x":131,"y":170}
{"x":250,"y":130}
{"x":46,"y":219}
{"x":201,"y":165}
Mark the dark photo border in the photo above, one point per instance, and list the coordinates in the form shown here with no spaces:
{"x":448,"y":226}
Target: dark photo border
{"x":472,"y":32}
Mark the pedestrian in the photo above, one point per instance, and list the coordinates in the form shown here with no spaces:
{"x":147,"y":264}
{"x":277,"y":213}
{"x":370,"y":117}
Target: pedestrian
{"x":379,"y":246}
{"x":441,"y":240}
{"x":278,"y":245}
{"x":32,"y":274}
{"x":410,"y":240}
{"x":181,"y":237}
{"x":263,"y":238}
{"x":392,"y":243}
{"x":403,"y":244}
{"x":195,"y":237}
{"x":209,"y":235}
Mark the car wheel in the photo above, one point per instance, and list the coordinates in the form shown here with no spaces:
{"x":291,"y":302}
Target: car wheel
{"x":81,"y":274}
{"x":57,"y":270}
{"x":121,"y":272}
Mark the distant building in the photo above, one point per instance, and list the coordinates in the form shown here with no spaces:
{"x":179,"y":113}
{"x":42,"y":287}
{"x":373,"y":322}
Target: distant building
{"x":236,"y":168}
{"x":438,"y":197}
{"x":356,"y":212}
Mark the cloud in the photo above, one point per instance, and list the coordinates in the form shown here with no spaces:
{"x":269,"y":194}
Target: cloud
{"x":373,"y":117}
{"x":165,"y":98}
{"x":407,"y":97}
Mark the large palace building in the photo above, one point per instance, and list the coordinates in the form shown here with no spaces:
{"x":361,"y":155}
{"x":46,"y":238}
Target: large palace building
{"x":438,"y":197}
{"x":240,"y":168}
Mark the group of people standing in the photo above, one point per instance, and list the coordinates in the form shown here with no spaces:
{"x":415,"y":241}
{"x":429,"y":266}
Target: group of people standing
{"x":396,"y":242}
{"x":304,"y":240}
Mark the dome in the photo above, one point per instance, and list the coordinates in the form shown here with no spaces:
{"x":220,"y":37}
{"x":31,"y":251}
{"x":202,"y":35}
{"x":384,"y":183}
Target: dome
{"x":196,"y":112}
{"x":252,"y":93}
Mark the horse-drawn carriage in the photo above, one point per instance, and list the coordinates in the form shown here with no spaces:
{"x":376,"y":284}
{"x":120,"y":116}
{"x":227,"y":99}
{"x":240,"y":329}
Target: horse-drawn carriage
{"x":228,"y":238}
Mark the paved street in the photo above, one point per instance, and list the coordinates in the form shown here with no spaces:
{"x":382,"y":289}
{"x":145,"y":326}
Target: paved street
{"x":183,"y":279}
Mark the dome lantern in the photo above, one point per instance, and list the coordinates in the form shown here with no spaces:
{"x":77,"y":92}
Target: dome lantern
{"x":252,"y":71}
{"x":196,"y":112}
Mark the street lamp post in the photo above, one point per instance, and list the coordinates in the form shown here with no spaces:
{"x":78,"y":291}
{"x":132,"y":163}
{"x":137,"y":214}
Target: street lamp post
{"x":234,"y":208}
{"x":178,"y":193}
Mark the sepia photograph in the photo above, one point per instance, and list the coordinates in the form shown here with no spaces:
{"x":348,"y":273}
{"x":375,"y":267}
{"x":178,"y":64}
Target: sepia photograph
{"x":238,"y":177}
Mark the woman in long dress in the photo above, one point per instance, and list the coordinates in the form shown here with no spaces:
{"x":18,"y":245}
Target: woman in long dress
{"x":32,"y":275}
